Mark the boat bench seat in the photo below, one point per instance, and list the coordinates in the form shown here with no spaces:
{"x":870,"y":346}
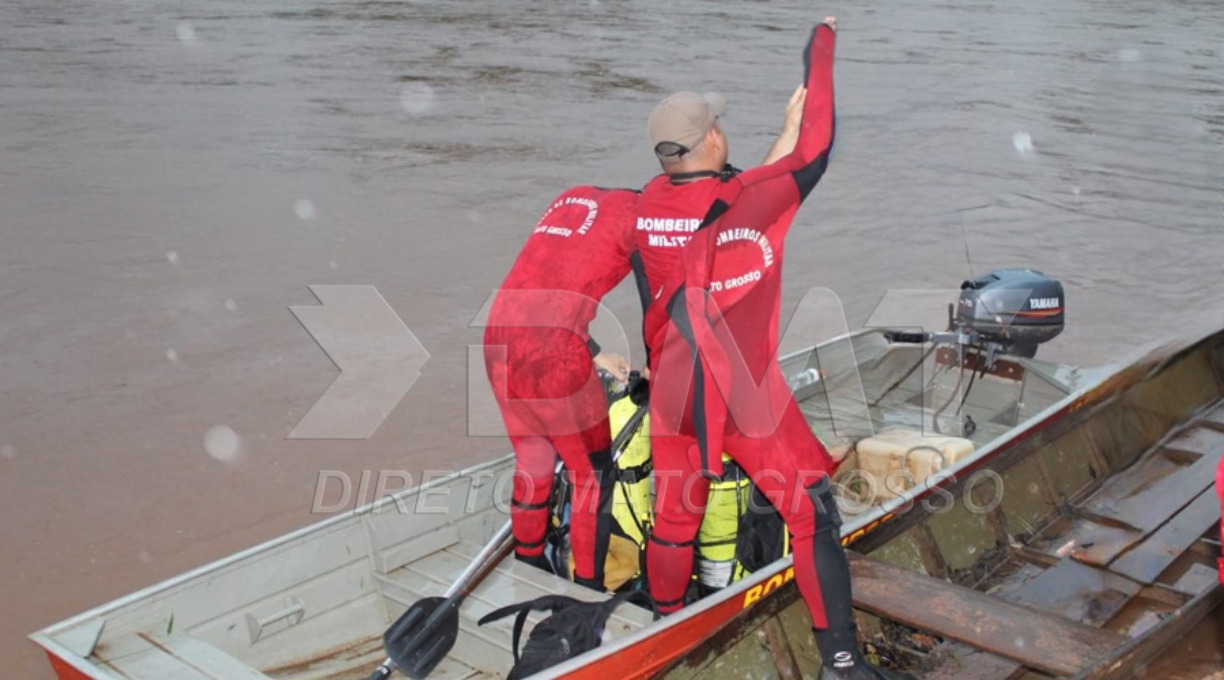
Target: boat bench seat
{"x":176,"y":655}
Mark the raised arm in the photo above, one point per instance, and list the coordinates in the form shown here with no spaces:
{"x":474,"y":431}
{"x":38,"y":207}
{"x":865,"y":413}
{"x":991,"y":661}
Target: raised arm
{"x":808,"y":160}
{"x":785,"y":143}
{"x":808,"y":133}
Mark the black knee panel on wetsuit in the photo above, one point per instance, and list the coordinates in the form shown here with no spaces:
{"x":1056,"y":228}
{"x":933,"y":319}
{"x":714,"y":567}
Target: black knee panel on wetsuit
{"x":604,"y":469}
{"x":828,"y":519}
{"x":832,"y":570}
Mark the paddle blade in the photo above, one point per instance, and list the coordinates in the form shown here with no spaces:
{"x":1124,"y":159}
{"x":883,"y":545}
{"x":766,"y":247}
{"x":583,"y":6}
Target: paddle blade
{"x":423,"y":636}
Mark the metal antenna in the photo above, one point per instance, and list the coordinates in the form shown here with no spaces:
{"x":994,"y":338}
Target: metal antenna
{"x":965,"y":239}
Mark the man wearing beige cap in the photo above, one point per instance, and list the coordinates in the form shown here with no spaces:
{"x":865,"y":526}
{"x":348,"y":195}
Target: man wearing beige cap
{"x":711,"y":242}
{"x":690,"y":146}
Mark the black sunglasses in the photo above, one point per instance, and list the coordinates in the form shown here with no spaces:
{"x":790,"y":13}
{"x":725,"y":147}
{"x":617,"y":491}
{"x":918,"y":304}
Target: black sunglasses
{"x":671,"y":149}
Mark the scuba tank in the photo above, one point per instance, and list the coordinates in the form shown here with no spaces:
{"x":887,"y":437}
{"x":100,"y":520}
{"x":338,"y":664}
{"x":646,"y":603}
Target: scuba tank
{"x":715,"y":549}
{"x":632,"y":496}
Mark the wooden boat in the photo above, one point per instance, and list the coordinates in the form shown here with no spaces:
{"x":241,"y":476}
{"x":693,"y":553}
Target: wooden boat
{"x":1076,"y":450}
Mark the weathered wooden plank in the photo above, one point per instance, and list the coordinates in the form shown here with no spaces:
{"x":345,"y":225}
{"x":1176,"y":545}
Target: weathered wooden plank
{"x":1136,"y":653}
{"x":1198,"y":578}
{"x":1215,"y":416}
{"x":1086,"y":540}
{"x":1146,"y":496}
{"x":965,"y":663}
{"x":1201,"y":440}
{"x":1078,"y":592}
{"x":780,"y":649}
{"x":1148,"y":560}
{"x":1035,"y":639}
{"x":1099,"y":543}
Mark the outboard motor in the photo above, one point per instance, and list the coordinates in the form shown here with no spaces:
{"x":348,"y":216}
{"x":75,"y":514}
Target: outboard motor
{"x":1013,"y":309}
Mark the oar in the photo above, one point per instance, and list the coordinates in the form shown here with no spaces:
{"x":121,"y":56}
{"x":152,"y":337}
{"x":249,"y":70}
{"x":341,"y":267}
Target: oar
{"x":418,"y":641}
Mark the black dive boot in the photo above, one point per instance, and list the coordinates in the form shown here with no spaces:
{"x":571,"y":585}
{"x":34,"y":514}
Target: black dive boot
{"x":838,"y":644}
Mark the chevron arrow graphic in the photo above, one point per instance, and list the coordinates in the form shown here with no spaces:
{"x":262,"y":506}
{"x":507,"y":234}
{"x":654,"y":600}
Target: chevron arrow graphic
{"x":378,"y":357}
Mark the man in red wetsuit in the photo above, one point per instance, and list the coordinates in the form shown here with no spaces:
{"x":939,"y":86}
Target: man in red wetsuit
{"x":711,"y":242}
{"x":539,"y":356}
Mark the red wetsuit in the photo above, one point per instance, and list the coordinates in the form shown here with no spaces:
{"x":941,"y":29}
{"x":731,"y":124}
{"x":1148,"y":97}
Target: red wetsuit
{"x":538,"y":353}
{"x":1220,"y":492}
{"x":712,"y":253}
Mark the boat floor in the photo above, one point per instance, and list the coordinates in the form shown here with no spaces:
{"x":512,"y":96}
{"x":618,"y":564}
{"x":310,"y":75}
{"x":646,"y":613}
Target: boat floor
{"x":480,"y":653}
{"x":1109,"y":572}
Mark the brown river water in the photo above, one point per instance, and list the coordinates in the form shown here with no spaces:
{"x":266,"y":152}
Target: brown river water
{"x":174,"y":175}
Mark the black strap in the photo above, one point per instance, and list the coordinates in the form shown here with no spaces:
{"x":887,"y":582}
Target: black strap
{"x":529,"y":506}
{"x":643,"y":598}
{"x":682,"y":177}
{"x":518,"y":631}
{"x":669,"y":544}
{"x":717,"y":208}
{"x":635,"y":474}
{"x":549,"y":603}
{"x":546,"y":603}
{"x":658,"y":604}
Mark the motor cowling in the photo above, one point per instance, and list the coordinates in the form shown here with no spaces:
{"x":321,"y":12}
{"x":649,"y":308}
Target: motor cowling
{"x":1017,"y":309}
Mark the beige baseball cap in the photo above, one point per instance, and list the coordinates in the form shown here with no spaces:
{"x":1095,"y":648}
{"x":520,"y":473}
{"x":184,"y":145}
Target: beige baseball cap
{"x":679,"y":122}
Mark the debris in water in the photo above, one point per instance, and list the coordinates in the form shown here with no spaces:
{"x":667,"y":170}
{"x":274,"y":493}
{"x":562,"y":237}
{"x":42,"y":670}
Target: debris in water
{"x":172,"y":256}
{"x":7,"y":451}
{"x":172,"y":355}
{"x":1129,"y":55}
{"x":231,"y":305}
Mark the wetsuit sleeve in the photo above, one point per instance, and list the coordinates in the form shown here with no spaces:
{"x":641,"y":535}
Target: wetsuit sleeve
{"x":819,"y":120}
{"x":807,"y":162}
{"x":766,"y":198}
